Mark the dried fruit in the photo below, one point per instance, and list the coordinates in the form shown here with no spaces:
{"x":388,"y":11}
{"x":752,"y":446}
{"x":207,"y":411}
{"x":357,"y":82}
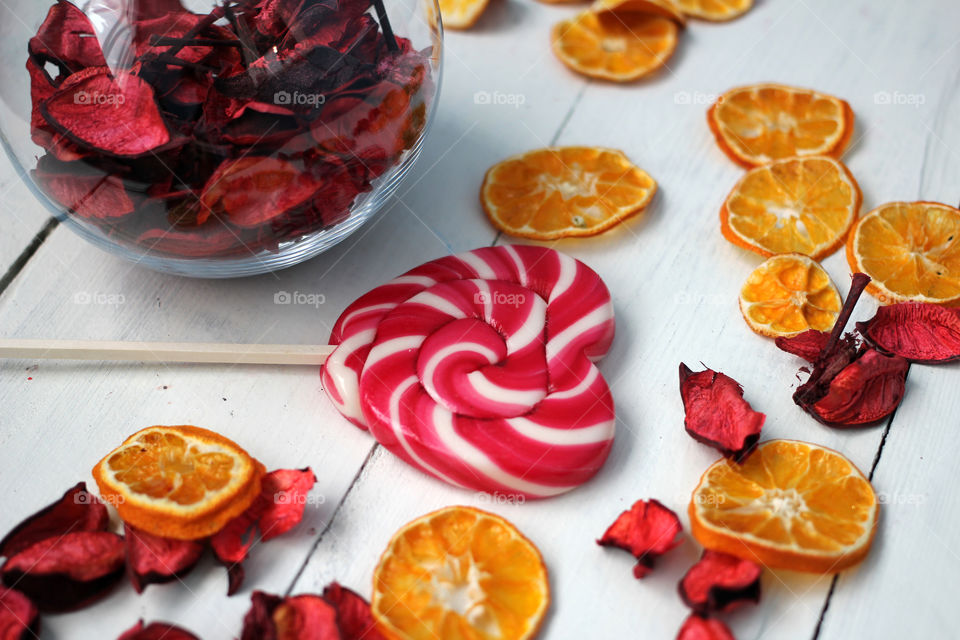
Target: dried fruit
{"x":715,"y":10}
{"x":76,"y":510}
{"x":461,"y":14}
{"x":155,"y":560}
{"x":697,"y":627}
{"x":464,"y":569}
{"x":353,"y":614}
{"x":156,"y":631}
{"x":562,"y":192}
{"x":720,"y":582}
{"x":662,"y":8}
{"x":787,"y":295}
{"x":757,"y":124}
{"x":647,"y":530}
{"x":797,"y":205}
{"x":303,"y":617}
{"x":19,"y":618}
{"x":807,"y":345}
{"x":68,"y":571}
{"x":621,"y":48}
{"x":910,"y":251}
{"x":179,"y":482}
{"x":789,"y":505}
{"x":917,"y":331}
{"x":716,"y":414}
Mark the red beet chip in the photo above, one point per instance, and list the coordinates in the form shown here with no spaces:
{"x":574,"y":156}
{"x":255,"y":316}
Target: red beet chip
{"x":19,"y":618}
{"x":67,"y":39}
{"x":112,"y":114}
{"x":720,"y":582}
{"x":154,"y":560}
{"x":353,"y":613}
{"x":717,"y":414}
{"x":69,"y":571}
{"x":304,"y":617}
{"x":76,"y":510}
{"x":698,"y":628}
{"x":87,"y":194}
{"x":156,"y":631}
{"x":919,"y":332}
{"x":806,"y":345}
{"x":647,"y":530}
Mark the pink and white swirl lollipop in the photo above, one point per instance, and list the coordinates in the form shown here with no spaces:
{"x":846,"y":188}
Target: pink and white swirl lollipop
{"x":479,"y":369}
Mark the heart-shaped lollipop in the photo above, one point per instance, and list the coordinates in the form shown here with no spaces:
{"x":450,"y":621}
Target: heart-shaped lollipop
{"x":478,"y":369}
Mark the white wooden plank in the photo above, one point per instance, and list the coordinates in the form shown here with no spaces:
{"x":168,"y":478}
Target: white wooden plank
{"x":675,"y":283}
{"x":22,"y":214}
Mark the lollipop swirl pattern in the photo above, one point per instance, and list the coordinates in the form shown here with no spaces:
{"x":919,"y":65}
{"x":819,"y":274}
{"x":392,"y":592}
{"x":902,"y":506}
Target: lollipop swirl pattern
{"x":479,"y":369}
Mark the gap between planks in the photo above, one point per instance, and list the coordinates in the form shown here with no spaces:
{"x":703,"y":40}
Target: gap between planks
{"x":28,"y":252}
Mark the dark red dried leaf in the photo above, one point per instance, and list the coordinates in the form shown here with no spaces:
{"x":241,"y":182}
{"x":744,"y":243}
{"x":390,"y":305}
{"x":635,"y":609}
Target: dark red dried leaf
{"x":156,"y":631}
{"x":305,"y":617}
{"x":19,"y":618}
{"x":87,"y":194}
{"x":232,"y":543}
{"x":807,"y":345}
{"x":149,"y":9}
{"x":112,"y":114}
{"x":698,"y":628}
{"x":69,"y":571}
{"x":210,"y":240}
{"x":76,"y":510}
{"x":720,"y":582}
{"x":716,"y":413}
{"x":67,"y":39}
{"x":258,"y":621}
{"x":154,"y":560}
{"x":647,"y":530}
{"x":919,"y":332}
{"x":353,"y":613}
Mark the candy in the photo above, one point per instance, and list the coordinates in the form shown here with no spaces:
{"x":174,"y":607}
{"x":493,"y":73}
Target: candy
{"x":478,"y":369}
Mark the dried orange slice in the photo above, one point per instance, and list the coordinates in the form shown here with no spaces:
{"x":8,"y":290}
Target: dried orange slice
{"x":662,"y":8}
{"x":715,"y":10}
{"x":179,"y":482}
{"x":561,"y":192}
{"x":764,"y":122}
{"x":460,"y":573}
{"x":789,"y":294}
{"x":790,"y":505}
{"x":621,"y":47}
{"x":461,"y":14}
{"x":797,"y":205}
{"x":911,"y":250}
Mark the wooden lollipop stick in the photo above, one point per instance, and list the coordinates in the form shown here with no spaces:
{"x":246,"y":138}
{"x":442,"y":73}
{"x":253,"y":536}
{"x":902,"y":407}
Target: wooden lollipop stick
{"x":208,"y":352}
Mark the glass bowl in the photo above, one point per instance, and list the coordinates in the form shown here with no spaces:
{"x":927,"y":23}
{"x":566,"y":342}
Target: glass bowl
{"x":216,"y":142}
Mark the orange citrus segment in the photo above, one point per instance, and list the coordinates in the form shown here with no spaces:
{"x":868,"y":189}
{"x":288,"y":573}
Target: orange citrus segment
{"x":621,"y":47}
{"x":911,"y":250}
{"x":789,"y":294}
{"x":662,"y":8}
{"x":460,"y":574}
{"x":790,"y":505}
{"x":715,"y":10}
{"x":760,"y":123}
{"x":561,"y":192}
{"x":797,"y":205}
{"x":461,"y":14}
{"x":178,"y":482}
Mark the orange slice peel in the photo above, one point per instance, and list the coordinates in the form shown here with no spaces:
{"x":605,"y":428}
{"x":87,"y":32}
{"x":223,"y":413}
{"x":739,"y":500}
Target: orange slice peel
{"x":461,"y":14}
{"x":715,"y":10}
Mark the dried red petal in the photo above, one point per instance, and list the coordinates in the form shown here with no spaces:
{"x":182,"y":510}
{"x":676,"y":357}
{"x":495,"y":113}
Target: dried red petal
{"x":807,"y":345}
{"x":208,"y":241}
{"x":231,"y":544}
{"x":113,"y":114}
{"x":76,"y":510}
{"x":154,"y":560}
{"x":919,"y":332}
{"x":720,"y":582}
{"x":67,"y":39}
{"x":647,"y":530}
{"x":258,"y":621}
{"x":716,"y":413}
{"x":698,"y":628}
{"x":304,"y":617}
{"x":156,"y":631}
{"x":19,"y":618}
{"x":353,"y":613}
{"x":86,"y":193}
{"x":67,"y":572}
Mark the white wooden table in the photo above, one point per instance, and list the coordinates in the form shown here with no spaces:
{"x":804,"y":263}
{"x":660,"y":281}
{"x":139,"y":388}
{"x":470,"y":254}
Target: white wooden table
{"x":674,"y":281}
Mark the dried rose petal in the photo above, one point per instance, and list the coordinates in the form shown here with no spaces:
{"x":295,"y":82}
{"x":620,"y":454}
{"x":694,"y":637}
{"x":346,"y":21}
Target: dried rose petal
{"x":716,"y":413}
{"x":353,"y":613}
{"x":76,"y":510}
{"x":807,"y":345}
{"x":154,"y":560}
{"x":919,"y":332}
{"x":647,"y":530}
{"x":19,"y":618}
{"x":89,"y":195}
{"x":304,"y":617}
{"x":67,"y":39}
{"x":699,"y":628}
{"x":720,"y":582}
{"x":156,"y":631}
{"x":69,"y":571}
{"x":113,"y":114}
